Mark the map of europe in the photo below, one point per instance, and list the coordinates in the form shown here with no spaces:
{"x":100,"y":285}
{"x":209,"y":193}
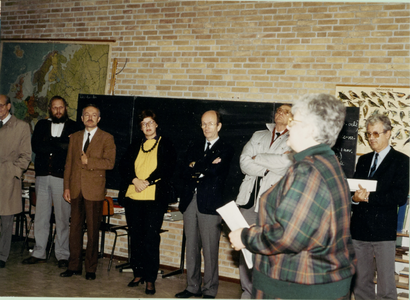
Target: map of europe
{"x":32,"y":73}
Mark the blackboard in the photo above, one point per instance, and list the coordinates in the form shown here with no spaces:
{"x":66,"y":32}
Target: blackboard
{"x":179,"y":119}
{"x":117,"y":118}
{"x":345,"y":147}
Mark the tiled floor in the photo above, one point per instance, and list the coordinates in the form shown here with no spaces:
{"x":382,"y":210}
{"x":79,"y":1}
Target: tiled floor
{"x":43,"y":280}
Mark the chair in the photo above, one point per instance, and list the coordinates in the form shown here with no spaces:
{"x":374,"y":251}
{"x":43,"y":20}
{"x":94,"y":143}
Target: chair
{"x":20,"y":219}
{"x":32,"y":215}
{"x":108,"y":211}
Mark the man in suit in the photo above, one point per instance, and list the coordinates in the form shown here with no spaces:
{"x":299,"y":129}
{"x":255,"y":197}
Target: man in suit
{"x":90,"y":153}
{"x":206,"y":167}
{"x":50,"y":143}
{"x":374,"y":219}
{"x":15,"y":156}
{"x":264,"y":160}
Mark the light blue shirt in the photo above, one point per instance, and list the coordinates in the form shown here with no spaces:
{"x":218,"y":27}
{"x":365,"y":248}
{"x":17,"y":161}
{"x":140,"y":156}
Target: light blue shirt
{"x":382,"y":155}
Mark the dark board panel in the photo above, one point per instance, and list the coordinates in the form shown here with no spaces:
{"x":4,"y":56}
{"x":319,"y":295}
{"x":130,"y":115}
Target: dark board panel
{"x":179,"y":119}
{"x":117,"y":118}
{"x":345,"y":147}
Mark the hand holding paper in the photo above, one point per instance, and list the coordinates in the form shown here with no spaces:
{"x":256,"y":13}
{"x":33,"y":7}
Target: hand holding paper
{"x":361,"y":195}
{"x":236,"y":222}
{"x":235,"y":238}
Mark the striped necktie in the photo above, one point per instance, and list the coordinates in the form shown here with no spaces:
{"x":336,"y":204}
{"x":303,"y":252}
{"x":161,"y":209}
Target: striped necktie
{"x":374,"y":167}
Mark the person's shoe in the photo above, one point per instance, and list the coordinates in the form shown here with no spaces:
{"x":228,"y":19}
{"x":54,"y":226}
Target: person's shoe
{"x":70,"y":273}
{"x":2,"y":264}
{"x":187,"y":294}
{"x":136,"y":283}
{"x":33,"y":260}
{"x":90,"y":276}
{"x":208,"y":297}
{"x":63,"y":263}
{"x":150,"y":288}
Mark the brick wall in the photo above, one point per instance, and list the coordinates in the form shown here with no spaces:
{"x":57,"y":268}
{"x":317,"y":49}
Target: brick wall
{"x":247,"y":51}
{"x":226,"y":50}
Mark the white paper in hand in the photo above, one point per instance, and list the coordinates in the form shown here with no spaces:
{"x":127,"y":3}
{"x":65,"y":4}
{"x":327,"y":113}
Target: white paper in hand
{"x":369,"y":185}
{"x":235,"y":220}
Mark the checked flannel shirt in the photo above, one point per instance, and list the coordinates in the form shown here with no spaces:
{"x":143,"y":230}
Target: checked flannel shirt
{"x":302,"y":234}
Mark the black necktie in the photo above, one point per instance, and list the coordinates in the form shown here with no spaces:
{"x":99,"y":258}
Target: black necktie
{"x":87,"y":142}
{"x":208,"y":147}
{"x":274,"y":137}
{"x":1,"y":123}
{"x":373,"y":168}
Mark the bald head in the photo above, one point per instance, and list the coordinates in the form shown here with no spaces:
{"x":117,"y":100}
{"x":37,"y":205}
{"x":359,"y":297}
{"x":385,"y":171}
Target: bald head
{"x":211,"y":124}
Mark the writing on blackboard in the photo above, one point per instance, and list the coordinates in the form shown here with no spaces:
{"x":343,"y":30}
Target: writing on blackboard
{"x":349,"y":137}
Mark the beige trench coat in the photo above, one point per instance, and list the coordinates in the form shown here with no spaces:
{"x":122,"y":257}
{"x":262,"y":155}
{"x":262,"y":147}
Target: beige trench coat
{"x":15,"y":156}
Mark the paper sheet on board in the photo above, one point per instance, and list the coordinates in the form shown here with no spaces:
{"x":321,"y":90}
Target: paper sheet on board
{"x":235,"y":220}
{"x":369,"y":185}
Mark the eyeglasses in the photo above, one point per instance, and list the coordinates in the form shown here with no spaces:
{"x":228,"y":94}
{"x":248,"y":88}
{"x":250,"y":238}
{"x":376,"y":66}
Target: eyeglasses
{"x":2,"y":105}
{"x":210,"y":125}
{"x":292,"y":121}
{"x":148,"y":124}
{"x":282,"y":111}
{"x":374,"y":133}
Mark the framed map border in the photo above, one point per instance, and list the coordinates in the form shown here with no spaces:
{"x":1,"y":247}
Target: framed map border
{"x":30,"y":101}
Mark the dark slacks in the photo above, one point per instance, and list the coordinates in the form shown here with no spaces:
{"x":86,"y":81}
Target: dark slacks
{"x":144,"y":219}
{"x":83,"y":210}
{"x":202,"y":231}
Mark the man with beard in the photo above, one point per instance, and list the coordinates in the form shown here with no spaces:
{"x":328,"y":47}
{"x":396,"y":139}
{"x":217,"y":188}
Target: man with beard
{"x":50,"y":143}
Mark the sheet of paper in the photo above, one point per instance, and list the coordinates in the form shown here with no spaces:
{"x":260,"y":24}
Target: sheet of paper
{"x":235,"y":220}
{"x":369,"y":185}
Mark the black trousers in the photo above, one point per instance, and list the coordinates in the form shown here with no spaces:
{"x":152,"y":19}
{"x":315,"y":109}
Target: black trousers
{"x":144,"y":219}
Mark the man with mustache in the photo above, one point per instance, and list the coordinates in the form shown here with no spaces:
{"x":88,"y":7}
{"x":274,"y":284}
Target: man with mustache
{"x":90,"y":153}
{"x":50,"y":143}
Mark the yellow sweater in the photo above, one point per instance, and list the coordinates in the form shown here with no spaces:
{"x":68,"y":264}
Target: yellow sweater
{"x":145,"y":164}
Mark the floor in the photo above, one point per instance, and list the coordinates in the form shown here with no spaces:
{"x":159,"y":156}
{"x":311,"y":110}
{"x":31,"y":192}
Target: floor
{"x":43,"y":280}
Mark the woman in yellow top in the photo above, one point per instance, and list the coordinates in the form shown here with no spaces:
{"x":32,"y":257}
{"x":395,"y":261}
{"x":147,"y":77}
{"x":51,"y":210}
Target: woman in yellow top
{"x":146,"y":169}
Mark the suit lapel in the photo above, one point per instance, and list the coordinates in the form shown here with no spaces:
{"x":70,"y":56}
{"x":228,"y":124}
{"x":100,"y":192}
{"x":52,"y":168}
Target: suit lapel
{"x":385,"y":163}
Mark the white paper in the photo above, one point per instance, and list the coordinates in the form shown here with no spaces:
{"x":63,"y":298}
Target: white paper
{"x":369,"y":185}
{"x":235,"y":220}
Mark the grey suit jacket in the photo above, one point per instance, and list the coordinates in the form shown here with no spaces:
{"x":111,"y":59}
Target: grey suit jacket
{"x":15,"y":156}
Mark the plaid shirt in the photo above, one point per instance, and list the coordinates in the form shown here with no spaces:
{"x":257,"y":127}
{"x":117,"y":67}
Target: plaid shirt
{"x":302,"y":233}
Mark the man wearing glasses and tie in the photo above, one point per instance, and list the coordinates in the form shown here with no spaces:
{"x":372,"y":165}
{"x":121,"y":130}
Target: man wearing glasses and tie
{"x":205,"y":169}
{"x":374,"y":219}
{"x":264,"y":160}
{"x":90,"y":153}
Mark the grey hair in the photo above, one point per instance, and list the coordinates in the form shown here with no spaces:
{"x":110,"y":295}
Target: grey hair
{"x":325,"y":113}
{"x":373,"y":119}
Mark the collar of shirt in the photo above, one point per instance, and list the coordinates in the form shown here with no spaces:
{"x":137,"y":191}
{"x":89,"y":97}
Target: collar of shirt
{"x":92,"y":133}
{"x":56,"y":129}
{"x":382,"y":155}
{"x":7,"y":118}
{"x":212,"y":143}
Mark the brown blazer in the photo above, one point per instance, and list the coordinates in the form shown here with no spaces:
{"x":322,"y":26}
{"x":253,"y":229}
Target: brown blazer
{"x":90,"y":178}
